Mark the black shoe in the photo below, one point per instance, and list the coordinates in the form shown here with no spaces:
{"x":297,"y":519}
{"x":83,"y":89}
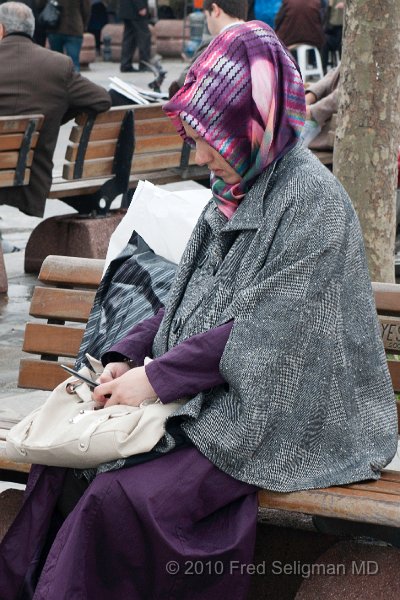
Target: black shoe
{"x":128,"y":70}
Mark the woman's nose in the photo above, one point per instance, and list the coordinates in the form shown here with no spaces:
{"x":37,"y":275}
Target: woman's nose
{"x":202,"y":156}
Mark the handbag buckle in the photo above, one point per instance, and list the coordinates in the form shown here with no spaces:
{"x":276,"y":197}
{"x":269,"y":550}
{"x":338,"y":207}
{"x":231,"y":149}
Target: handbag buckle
{"x":71,"y":386}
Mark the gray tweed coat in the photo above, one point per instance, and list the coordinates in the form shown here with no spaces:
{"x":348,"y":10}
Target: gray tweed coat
{"x":308,"y":401}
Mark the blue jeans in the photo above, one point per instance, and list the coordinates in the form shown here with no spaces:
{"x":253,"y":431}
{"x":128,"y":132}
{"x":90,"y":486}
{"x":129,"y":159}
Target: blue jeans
{"x":71,"y":44}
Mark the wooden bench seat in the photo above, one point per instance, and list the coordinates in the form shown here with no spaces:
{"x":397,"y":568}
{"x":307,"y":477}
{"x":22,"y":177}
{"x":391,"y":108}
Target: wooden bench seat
{"x":61,"y":307}
{"x":18,"y":140}
{"x":375,"y":502}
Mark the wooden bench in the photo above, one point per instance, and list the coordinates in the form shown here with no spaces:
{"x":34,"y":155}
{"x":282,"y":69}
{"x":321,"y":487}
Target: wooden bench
{"x":18,"y":139}
{"x":61,"y":307}
{"x":159,"y":154}
{"x":98,"y":167}
{"x":325,"y":156}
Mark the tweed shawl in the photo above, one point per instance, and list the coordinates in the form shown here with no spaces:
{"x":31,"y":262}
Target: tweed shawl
{"x":245,"y":97}
{"x":308,"y":400}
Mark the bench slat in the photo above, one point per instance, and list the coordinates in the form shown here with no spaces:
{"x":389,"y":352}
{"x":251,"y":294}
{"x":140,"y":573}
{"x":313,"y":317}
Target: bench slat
{"x":100,"y":149}
{"x":7,"y":178}
{"x":9,"y":160}
{"x":13,"y":141}
{"x":386,"y":297}
{"x":152,"y":162}
{"x":71,"y":270}
{"x":106,"y":149}
{"x":58,"y":340}
{"x":389,"y":475}
{"x":10,"y":465}
{"x":150,"y":111}
{"x":108,"y":131}
{"x":41,"y":374}
{"x":141,"y":164}
{"x":114,"y":115}
{"x":156,"y":144}
{"x":18,"y":124}
{"x":63,"y":188}
{"x":65,"y":305}
{"x":352,"y":505}
{"x":383,"y":486}
{"x":154,"y":127}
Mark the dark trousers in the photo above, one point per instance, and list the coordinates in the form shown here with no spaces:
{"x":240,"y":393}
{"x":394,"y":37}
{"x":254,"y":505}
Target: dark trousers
{"x":71,"y":44}
{"x":333,"y":42}
{"x":136,"y":34}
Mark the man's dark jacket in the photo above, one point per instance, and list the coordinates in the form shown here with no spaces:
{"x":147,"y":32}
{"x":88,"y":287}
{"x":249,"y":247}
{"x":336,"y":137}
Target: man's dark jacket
{"x":129,"y":9}
{"x":34,"y":80}
{"x":300,"y":22}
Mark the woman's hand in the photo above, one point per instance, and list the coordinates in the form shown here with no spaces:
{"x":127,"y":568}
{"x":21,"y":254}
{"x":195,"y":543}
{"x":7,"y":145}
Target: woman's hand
{"x":131,"y":387}
{"x":113,"y":370}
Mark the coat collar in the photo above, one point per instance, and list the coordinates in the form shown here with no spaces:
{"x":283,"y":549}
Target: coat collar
{"x":251,"y":211}
{"x":16,"y":36}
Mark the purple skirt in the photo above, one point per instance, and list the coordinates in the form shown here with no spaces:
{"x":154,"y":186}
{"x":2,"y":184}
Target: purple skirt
{"x":173,"y":528}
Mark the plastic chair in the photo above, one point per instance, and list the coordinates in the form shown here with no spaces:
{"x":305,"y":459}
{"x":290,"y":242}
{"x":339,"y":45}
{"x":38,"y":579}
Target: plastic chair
{"x":309,"y":60}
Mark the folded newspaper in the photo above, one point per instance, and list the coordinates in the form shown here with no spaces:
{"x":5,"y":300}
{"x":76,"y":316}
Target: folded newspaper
{"x":137,"y":94}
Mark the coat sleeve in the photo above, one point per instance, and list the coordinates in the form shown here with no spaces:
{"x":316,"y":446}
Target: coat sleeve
{"x":84,"y":95}
{"x":86,"y":7}
{"x":323,"y":110}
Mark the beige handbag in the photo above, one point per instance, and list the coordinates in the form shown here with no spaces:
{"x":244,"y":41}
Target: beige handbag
{"x":66,"y":431}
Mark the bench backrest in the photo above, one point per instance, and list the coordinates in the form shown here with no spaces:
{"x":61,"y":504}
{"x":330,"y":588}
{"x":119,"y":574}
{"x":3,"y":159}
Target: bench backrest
{"x":96,"y":143}
{"x":18,"y":139}
{"x":60,"y":307}
{"x":66,"y":300}
{"x":94,"y":139}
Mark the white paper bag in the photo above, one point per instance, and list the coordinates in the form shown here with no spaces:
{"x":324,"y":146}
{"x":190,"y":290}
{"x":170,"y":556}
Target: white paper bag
{"x":164,"y":219}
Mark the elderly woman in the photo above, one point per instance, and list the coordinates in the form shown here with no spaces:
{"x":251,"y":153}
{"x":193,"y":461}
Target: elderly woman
{"x":270,"y":333}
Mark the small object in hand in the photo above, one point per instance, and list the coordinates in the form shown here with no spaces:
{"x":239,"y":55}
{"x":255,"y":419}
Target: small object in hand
{"x":90,"y":383}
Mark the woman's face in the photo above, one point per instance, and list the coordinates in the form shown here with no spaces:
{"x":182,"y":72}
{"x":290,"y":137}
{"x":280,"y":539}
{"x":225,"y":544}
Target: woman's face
{"x":206,"y":155}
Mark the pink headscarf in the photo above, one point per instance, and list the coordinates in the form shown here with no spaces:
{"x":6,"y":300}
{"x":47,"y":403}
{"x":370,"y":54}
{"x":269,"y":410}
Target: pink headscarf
{"x":245,"y":97}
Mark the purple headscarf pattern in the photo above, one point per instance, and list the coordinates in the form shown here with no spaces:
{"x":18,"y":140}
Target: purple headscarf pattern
{"x":245,"y":97}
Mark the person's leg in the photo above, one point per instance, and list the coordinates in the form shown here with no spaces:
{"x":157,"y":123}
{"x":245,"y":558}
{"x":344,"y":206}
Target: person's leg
{"x":56,"y":42}
{"x":173,"y":527}
{"x":143,"y":40}
{"x":23,"y":546}
{"x":73,"y":44}
{"x":128,"y":46}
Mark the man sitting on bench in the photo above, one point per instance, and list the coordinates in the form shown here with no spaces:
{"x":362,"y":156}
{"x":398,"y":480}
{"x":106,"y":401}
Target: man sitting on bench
{"x":36,"y":80}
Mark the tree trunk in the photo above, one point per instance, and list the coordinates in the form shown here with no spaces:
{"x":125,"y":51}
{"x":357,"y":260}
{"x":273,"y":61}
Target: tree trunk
{"x":368,"y":132}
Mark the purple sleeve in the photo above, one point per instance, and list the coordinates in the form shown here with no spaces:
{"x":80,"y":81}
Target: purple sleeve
{"x":191,"y":367}
{"x":138,"y":342}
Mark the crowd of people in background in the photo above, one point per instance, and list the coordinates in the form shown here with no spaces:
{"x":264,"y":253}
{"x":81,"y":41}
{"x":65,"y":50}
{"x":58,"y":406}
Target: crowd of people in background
{"x":318,"y":23}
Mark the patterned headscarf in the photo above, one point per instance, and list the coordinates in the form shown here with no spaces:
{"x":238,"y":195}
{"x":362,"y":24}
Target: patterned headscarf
{"x":245,"y":97}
